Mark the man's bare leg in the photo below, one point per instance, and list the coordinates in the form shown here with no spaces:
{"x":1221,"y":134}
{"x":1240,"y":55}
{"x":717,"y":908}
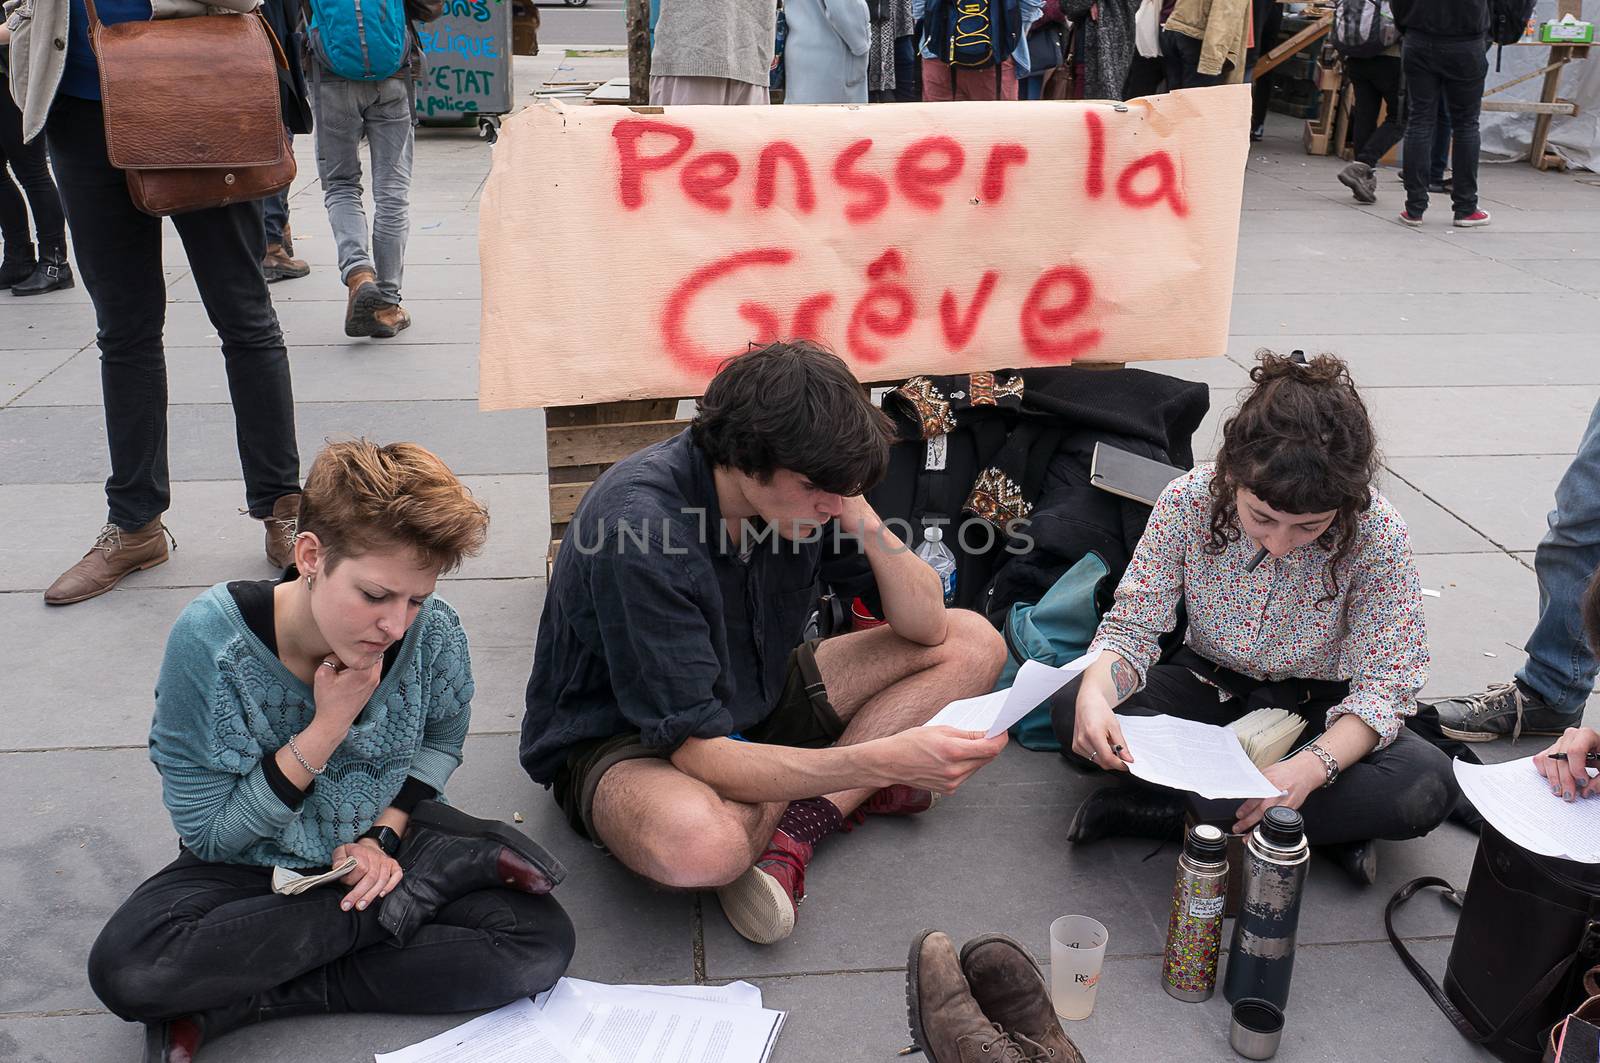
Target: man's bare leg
{"x":674,"y":829}
{"x":882,"y":684}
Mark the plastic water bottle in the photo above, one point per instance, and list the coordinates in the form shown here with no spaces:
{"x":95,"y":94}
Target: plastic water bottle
{"x":938,"y":555}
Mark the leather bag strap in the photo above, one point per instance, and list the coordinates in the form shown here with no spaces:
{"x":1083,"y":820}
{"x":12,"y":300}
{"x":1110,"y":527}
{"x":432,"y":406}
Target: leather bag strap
{"x":1539,"y":992}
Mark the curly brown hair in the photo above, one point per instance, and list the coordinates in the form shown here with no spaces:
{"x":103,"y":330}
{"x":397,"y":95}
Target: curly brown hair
{"x":1302,"y":442}
{"x":360,"y":496}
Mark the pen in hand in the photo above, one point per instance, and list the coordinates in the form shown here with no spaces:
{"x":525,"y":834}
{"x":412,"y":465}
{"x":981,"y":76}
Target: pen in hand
{"x":1591,"y":758}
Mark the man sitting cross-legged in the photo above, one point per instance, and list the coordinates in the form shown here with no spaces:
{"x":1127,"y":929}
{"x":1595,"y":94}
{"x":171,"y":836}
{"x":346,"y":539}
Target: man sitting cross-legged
{"x":674,"y":707}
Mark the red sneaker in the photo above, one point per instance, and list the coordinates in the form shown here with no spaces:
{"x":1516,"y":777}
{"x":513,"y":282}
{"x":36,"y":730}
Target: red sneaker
{"x":1410,"y":219}
{"x":899,"y":800}
{"x":761,"y":903}
{"x":1471,"y":221}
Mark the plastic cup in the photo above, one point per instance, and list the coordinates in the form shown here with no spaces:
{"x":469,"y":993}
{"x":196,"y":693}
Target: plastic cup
{"x":1077,"y":952}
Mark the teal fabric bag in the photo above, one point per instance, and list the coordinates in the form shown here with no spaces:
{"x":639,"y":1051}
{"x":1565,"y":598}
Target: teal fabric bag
{"x":1053,"y":631}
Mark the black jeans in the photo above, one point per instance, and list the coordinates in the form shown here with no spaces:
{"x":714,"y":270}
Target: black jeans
{"x":198,"y":936}
{"x":1453,"y":71}
{"x":1402,"y":791}
{"x":1269,"y":26}
{"x":1377,"y":83}
{"x":1182,"y":56}
{"x":32,"y":168}
{"x":119,"y":256}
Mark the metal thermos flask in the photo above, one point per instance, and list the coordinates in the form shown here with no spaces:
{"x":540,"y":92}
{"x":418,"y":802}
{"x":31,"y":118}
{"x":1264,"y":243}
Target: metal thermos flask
{"x":1261,"y":959}
{"x":1194,"y":929}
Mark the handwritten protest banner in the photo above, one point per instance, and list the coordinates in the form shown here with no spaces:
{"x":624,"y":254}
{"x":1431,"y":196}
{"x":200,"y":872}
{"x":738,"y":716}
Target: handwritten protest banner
{"x":467,"y":50}
{"x":627,"y":253}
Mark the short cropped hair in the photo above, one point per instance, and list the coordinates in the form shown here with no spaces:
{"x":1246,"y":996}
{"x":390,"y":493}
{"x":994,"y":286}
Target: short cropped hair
{"x":794,"y":406}
{"x":360,"y":497}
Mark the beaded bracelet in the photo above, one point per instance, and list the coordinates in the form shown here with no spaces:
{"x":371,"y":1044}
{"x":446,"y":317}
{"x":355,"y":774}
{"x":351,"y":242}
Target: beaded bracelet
{"x":304,"y":763}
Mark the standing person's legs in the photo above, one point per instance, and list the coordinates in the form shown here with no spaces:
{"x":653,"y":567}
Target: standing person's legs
{"x":274,"y":216}
{"x":937,"y":85}
{"x":225,"y":246}
{"x":1561,"y":667}
{"x":1465,"y":66}
{"x":1423,"y":90}
{"x":1172,"y":56}
{"x":680,"y":91}
{"x":1146,"y":77}
{"x":339,"y":108}
{"x":907,"y":68}
{"x":979,"y":84}
{"x":19,"y":258}
{"x":1189,"y":53}
{"x":1440,"y":160}
{"x":390,"y":137}
{"x":119,"y":254}
{"x":1369,"y":97}
{"x":1381,"y":76}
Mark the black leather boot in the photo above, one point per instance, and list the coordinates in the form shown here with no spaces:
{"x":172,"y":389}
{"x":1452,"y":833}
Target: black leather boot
{"x":179,"y":1040}
{"x":50,"y":275}
{"x":448,"y":854}
{"x":18,"y":264}
{"x":1358,"y":859}
{"x":1119,"y":811}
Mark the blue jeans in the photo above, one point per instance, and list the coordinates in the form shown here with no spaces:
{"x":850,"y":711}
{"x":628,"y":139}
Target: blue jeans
{"x":275,"y":210}
{"x":381,"y":110}
{"x":1453,"y":71}
{"x":1561,"y":667}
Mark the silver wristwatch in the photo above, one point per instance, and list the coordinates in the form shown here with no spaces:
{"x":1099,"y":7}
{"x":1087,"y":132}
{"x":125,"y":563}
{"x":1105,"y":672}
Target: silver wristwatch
{"x":1330,"y":765}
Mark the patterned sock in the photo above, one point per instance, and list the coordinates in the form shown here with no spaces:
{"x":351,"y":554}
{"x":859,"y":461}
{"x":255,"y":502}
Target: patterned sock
{"x":811,"y":820}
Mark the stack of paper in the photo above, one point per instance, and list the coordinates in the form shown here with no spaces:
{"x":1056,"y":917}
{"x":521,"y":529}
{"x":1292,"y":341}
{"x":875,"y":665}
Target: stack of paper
{"x":586,"y":1022}
{"x":1517,"y":802}
{"x":1185,"y":755}
{"x":1267,"y":734}
{"x":994,"y":713}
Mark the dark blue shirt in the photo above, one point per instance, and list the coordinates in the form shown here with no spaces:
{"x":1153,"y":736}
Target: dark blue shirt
{"x":654,"y":624}
{"x":81,"y":77}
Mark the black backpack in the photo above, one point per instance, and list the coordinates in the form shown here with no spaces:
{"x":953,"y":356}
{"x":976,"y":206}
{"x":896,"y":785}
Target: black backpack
{"x":973,"y":33}
{"x":1508,"y":20}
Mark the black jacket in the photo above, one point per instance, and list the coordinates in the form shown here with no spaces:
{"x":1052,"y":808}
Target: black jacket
{"x":1444,"y":19}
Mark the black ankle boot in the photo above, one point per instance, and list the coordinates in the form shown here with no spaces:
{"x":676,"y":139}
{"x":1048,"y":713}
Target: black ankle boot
{"x":18,"y":265}
{"x":448,"y":854}
{"x":51,"y":274}
{"x":1119,"y":811}
{"x":179,"y":1040}
{"x":1359,"y":860}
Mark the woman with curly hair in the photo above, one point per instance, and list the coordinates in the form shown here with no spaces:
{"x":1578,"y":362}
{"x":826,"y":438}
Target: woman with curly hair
{"x":314,"y":721}
{"x":1300,"y":593}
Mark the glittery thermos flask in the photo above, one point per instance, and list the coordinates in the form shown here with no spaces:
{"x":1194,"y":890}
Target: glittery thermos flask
{"x":1261,"y":960}
{"x":1194,"y":930}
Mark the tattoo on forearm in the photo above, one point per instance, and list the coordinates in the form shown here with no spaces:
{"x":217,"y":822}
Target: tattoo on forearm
{"x":1125,"y":679}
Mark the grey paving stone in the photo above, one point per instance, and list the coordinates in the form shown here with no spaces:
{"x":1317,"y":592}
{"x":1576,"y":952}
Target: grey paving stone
{"x":851,"y":1018}
{"x":421,"y":249}
{"x":23,"y":371}
{"x":1507,"y":499}
{"x":1429,"y":360}
{"x":1434,"y":529}
{"x":1396,"y":275}
{"x":423,"y":281}
{"x":1385,"y":314}
{"x":1581,"y":274}
{"x":1487,"y":604}
{"x":1476,"y":421}
{"x":66,"y":444}
{"x":365,"y":371}
{"x":1311,"y":251}
{"x":1518,"y":245}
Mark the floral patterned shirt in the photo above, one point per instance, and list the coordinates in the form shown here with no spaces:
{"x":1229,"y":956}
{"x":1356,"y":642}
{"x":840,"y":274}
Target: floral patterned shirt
{"x":1267,"y":624}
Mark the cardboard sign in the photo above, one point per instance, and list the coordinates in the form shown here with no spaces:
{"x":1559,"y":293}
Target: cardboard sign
{"x":626,"y":254}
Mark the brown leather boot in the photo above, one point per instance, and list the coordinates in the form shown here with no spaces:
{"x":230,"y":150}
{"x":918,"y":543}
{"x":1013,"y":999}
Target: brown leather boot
{"x":946,"y":1022}
{"x":392,"y":320}
{"x":279,"y":263}
{"x":281,"y":530}
{"x":1010,"y":988}
{"x":115,"y":553}
{"x":365,"y":301}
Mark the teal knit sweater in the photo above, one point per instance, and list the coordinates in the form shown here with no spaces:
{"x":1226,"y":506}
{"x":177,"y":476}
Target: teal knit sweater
{"x":224,"y":702}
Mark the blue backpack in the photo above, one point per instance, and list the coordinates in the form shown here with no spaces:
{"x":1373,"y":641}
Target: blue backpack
{"x":1054,"y":631}
{"x":360,"y":40}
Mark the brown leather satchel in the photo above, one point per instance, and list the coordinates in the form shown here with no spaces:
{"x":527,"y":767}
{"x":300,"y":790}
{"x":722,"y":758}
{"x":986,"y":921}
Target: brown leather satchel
{"x":191,"y":109}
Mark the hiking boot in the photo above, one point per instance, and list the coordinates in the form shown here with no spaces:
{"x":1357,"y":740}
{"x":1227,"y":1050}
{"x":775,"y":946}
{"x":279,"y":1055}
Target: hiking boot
{"x":1119,"y":811}
{"x":1476,"y":220}
{"x":1505,"y":708}
{"x":1361,"y":181}
{"x":392,"y":320}
{"x":1408,"y":218}
{"x":448,"y":854}
{"x":1010,"y":988}
{"x":115,"y":553}
{"x":899,"y":800}
{"x":364,"y":302}
{"x":946,"y":1021}
{"x":762,"y":903}
{"x":1358,"y":860}
{"x":279,"y":264}
{"x":50,"y":275}
{"x":281,"y":531}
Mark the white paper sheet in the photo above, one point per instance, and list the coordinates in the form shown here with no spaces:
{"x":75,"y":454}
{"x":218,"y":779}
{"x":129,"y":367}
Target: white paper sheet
{"x":1517,"y":802}
{"x":1199,"y":757}
{"x":996,"y":711}
{"x":741,"y":993}
{"x":513,"y":1034}
{"x":612,"y":1024}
